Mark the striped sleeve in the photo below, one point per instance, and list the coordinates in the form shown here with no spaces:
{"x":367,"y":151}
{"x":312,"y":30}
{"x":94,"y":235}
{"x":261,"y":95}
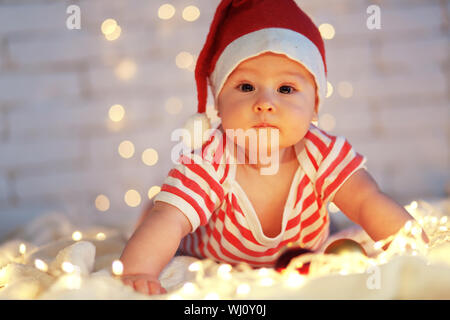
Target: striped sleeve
{"x":340,"y":162}
{"x":193,"y":186}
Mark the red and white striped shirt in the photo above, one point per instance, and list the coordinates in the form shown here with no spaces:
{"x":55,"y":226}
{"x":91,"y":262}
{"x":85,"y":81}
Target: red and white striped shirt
{"x":225,"y":226}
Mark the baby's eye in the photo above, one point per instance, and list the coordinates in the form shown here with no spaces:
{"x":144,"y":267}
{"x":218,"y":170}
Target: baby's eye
{"x":245,"y":86}
{"x":292,"y":89}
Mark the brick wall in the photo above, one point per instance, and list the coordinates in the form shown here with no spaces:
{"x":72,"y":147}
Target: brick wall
{"x":58,"y":148}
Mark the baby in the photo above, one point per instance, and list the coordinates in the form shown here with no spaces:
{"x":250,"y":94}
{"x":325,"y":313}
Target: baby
{"x":265,"y":63}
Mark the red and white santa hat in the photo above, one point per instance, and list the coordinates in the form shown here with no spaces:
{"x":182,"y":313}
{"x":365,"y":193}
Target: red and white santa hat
{"x":242,"y":29}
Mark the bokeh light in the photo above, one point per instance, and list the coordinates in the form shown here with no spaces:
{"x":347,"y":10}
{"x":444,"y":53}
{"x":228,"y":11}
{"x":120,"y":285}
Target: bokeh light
{"x":153,"y":191}
{"x":327,"y":122}
{"x":150,"y":156}
{"x":345,"y":89}
{"x":191,"y":13}
{"x":108,"y":26}
{"x":126,"y":149}
{"x":126,"y":69}
{"x":173,"y":105}
{"x":327,"y":31}
{"x":166,"y":11}
{"x":116,"y":112}
{"x":132,"y":198}
{"x":184,"y":60}
{"x":102,"y":202}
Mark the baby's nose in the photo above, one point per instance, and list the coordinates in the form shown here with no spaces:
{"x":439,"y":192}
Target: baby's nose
{"x":264,"y":107}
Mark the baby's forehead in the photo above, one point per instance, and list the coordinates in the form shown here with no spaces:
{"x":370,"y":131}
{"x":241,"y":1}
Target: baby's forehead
{"x":274,"y":64}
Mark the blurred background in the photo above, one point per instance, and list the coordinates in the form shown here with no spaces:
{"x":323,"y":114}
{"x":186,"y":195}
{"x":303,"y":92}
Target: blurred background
{"x":86,"y":114}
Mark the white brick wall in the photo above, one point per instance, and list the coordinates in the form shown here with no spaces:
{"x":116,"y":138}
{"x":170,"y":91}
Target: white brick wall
{"x":58,"y":149}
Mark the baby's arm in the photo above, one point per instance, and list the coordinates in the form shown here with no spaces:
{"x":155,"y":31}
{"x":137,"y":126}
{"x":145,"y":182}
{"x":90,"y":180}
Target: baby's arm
{"x":152,"y":246}
{"x":361,"y":200}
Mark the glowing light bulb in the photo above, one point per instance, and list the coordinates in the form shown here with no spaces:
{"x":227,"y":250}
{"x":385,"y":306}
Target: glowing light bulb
{"x":295,"y":280}
{"x":224,"y":271}
{"x":263,"y":272}
{"x":378,"y":245}
{"x":22,"y":248}
{"x":415,"y":231}
{"x":243,"y":289}
{"x":77,"y":236}
{"x":117,"y":268}
{"x":266,"y":282}
{"x":408,"y":226}
{"x":100,"y":236}
{"x":196,"y":266}
{"x":41,"y":265}
{"x":212,"y":296}
{"x":189,"y":288}
{"x":67,"y":267}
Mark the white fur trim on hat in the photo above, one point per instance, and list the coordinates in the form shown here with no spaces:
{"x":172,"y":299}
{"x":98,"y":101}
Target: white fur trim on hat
{"x":278,"y":40}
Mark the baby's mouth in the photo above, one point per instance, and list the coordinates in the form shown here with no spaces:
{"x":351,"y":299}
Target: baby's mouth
{"x":265,"y":125}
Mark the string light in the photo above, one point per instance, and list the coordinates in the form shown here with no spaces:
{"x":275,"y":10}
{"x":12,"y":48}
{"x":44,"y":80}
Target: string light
{"x":212,"y":296}
{"x":41,"y":265}
{"x":189,"y":288}
{"x":67,"y":267}
{"x":100,"y":236}
{"x":243,"y":289}
{"x":22,"y":248}
{"x":117,"y":268}
{"x":77,"y":236}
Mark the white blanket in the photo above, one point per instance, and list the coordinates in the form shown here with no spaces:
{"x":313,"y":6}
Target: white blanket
{"x":43,"y":261}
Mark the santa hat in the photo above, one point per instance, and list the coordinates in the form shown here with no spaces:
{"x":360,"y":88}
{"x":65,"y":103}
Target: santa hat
{"x":242,"y":29}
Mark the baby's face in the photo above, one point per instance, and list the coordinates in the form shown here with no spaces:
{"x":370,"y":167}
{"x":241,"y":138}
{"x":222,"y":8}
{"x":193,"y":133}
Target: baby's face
{"x":272,"y":89}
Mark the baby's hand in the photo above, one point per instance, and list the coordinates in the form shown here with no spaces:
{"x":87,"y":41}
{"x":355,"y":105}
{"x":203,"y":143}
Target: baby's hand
{"x":144,"y":283}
